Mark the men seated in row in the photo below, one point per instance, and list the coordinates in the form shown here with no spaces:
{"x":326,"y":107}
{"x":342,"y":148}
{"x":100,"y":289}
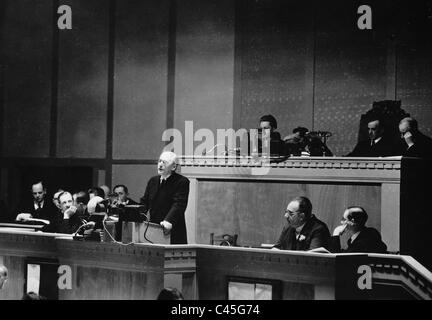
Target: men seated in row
{"x":66,"y":212}
{"x":413,"y":143}
{"x":304,"y":231}
{"x":300,"y":141}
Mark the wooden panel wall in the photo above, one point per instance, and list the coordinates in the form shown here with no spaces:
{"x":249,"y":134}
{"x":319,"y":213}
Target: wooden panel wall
{"x":14,"y":287}
{"x":107,"y":284}
{"x":141,"y":71}
{"x":255,"y":210}
{"x":27,"y":47}
{"x":414,"y":63}
{"x":135,"y":177}
{"x":204,"y":72}
{"x":276,"y":63}
{"x":351,"y":66}
{"x":82,"y":82}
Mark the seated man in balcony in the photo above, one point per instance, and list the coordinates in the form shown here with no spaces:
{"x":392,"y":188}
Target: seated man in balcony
{"x":378,"y":144}
{"x":277,"y":145}
{"x":416,"y":144}
{"x":303,"y":230}
{"x":363,"y":239}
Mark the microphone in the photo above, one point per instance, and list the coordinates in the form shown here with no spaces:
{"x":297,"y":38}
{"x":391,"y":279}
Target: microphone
{"x":87,"y":225}
{"x":324,"y":134}
{"x":216,"y":145}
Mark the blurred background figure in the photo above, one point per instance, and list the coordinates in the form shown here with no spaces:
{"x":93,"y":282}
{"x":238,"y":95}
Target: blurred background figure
{"x":56,"y":199}
{"x":96,"y":192}
{"x":106,"y":190}
{"x":122,"y":195}
{"x":80,"y":200}
{"x":302,"y":142}
{"x":170,"y":294}
{"x":33,"y":296}
{"x":3,"y":276}
{"x":276,"y":144}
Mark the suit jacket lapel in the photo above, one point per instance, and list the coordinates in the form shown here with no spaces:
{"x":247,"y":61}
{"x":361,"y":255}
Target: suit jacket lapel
{"x":292,"y":242}
{"x":305,"y":232}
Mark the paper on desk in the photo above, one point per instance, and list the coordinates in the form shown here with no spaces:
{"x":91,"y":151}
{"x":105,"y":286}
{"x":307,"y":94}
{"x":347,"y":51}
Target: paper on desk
{"x":33,"y":278}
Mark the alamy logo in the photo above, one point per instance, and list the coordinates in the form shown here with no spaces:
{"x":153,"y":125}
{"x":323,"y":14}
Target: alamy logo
{"x":65,"y":20}
{"x":365,"y":279}
{"x":227,"y":141}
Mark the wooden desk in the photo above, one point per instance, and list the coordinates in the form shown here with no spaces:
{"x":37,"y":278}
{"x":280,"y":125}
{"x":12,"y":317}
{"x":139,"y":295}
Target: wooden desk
{"x":230,"y":195}
{"x":101,"y":270}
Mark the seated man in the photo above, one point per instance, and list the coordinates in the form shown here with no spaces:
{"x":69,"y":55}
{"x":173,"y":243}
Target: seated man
{"x":378,"y":144}
{"x":416,"y":144}
{"x":38,"y":208}
{"x":80,"y":200}
{"x":303,"y":231}
{"x":122,"y":193}
{"x":68,"y":221}
{"x":277,"y":146}
{"x":363,"y":239}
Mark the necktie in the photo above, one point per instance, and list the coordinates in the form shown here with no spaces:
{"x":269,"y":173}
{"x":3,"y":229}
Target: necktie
{"x":39,"y":206}
{"x":372,"y":143}
{"x":163,"y":182}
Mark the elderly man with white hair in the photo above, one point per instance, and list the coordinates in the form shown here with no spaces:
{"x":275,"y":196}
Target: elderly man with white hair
{"x":166,"y":198}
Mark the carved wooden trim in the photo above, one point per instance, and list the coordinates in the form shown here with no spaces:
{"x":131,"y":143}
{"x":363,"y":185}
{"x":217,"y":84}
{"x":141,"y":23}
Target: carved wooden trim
{"x":295,"y":162}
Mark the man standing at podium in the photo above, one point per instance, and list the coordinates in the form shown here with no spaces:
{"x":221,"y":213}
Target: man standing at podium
{"x":166,"y":198}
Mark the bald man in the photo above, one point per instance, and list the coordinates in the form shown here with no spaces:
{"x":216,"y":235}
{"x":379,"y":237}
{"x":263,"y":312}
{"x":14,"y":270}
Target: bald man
{"x":362,"y":238}
{"x":166,"y":198}
{"x":416,"y":143}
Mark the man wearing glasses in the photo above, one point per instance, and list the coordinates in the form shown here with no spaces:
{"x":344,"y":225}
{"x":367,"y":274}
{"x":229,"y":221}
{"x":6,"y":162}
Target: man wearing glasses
{"x":303,"y":231}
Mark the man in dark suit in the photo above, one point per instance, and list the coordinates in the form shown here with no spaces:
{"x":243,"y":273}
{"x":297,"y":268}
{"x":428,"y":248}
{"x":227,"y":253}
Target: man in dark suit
{"x":122,"y":193}
{"x":378,"y":144}
{"x":68,"y":221}
{"x":303,"y":231}
{"x":363,"y":239}
{"x":268,"y":125}
{"x":39,"y":207}
{"x":416,"y":144}
{"x":166,"y":198}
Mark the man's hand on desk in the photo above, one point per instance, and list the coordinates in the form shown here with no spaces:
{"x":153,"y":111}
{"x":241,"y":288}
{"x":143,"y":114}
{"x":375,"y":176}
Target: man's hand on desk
{"x":23,"y":217}
{"x":166,"y":225}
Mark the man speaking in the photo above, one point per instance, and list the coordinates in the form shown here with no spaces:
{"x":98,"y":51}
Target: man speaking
{"x":166,"y":198}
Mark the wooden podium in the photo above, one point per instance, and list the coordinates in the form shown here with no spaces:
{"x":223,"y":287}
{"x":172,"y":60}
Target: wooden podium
{"x":144,"y":232}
